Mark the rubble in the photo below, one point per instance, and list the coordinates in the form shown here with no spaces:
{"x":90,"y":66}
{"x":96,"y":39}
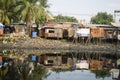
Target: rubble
{"x":51,"y":44}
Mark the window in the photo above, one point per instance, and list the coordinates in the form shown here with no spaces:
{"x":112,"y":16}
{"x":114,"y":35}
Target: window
{"x":51,"y":31}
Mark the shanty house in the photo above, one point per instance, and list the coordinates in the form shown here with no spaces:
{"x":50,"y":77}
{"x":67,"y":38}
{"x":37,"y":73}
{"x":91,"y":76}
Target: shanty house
{"x":51,"y":31}
{"x":117,"y":25}
{"x":19,"y":29}
{"x":103,"y":31}
{"x":83,"y":32}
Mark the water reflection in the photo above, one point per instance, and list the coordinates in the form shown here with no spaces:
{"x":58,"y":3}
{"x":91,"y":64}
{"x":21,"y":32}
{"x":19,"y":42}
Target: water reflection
{"x":75,"y":75}
{"x":19,"y":65}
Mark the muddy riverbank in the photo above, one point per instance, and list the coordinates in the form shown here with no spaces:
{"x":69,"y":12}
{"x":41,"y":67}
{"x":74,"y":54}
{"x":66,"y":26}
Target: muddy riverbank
{"x":27,"y":43}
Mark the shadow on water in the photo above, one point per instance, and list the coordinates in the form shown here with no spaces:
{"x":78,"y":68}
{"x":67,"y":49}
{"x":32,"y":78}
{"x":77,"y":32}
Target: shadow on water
{"x":16,"y":70}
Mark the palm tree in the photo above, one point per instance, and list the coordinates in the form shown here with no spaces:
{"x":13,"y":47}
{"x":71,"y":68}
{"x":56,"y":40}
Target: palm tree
{"x":39,"y":73}
{"x":30,"y":10}
{"x":7,"y":10}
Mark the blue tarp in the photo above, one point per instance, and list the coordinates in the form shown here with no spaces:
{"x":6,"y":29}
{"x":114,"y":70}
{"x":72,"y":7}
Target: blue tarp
{"x":34,"y":34}
{"x":33,"y":58}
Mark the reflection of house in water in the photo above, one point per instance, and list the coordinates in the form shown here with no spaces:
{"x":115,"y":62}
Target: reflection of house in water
{"x":115,"y":73}
{"x":96,"y":65}
{"x":50,"y":59}
{"x":70,"y":59}
{"x":55,"y":59}
{"x":82,"y":64}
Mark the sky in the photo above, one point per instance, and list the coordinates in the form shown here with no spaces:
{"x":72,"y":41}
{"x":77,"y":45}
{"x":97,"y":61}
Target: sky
{"x":83,"y":9}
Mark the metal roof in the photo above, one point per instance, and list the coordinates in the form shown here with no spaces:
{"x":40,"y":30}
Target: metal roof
{"x":96,"y":25}
{"x":116,"y":24}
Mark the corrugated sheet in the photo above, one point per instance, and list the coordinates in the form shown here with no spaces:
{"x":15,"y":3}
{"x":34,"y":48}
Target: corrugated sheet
{"x":97,"y":32}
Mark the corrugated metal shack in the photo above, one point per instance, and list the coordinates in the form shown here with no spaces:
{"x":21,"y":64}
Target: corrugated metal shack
{"x":51,"y":31}
{"x":117,"y":25}
{"x":97,"y":32}
{"x":19,"y":29}
{"x":103,"y":31}
{"x":83,"y":32}
{"x":67,"y":29}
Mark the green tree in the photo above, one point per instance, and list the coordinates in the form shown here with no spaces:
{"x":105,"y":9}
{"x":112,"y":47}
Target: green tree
{"x":7,"y":10}
{"x":25,"y":10}
{"x":33,"y":10}
{"x":102,"y":18}
{"x":60,"y":18}
{"x":39,"y":73}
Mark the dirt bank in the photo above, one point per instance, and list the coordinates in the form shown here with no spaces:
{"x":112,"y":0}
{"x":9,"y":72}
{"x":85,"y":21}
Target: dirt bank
{"x":52,"y":44}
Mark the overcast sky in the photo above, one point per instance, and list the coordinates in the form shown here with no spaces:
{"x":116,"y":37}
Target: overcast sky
{"x":83,"y":9}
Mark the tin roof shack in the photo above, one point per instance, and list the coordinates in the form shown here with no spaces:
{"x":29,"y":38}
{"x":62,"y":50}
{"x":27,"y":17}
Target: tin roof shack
{"x":83,"y":32}
{"x":117,"y":25}
{"x":51,"y":31}
{"x":9,"y":29}
{"x":104,"y":31}
{"x":70,"y":29}
{"x":67,"y":29}
{"x":97,"y":32}
{"x":19,"y":29}
{"x":111,"y":32}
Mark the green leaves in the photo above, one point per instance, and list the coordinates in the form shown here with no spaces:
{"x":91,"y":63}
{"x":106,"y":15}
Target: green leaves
{"x":26,"y":10}
{"x":61,"y":18}
{"x":7,"y":10}
{"x":102,"y":18}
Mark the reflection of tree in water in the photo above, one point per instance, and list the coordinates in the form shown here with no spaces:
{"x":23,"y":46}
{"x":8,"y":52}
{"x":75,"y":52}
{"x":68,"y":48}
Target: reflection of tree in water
{"x":3,"y":73}
{"x":39,"y":73}
{"x":21,"y":72}
{"x":101,"y":73}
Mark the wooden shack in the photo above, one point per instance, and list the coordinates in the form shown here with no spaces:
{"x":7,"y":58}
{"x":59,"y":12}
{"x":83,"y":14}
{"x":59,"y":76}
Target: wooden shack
{"x":83,"y":32}
{"x":97,"y":32}
{"x":102,"y":31}
{"x":19,"y":29}
{"x":117,"y":26}
{"x":51,"y":31}
{"x":68,"y":30}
